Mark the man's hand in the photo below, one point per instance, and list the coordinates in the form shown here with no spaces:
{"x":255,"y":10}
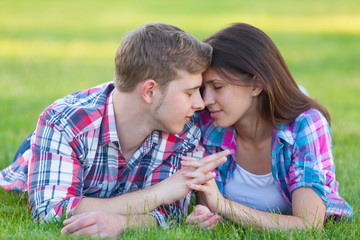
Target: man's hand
{"x":95,"y":224}
{"x":203,"y":218}
{"x":166,"y":192}
{"x":208,"y":190}
{"x":196,"y":172}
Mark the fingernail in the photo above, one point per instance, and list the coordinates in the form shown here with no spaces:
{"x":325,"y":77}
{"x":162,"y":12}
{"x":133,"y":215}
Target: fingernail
{"x":188,"y":184}
{"x":63,"y":231}
{"x":184,"y":173}
{"x":199,"y":211}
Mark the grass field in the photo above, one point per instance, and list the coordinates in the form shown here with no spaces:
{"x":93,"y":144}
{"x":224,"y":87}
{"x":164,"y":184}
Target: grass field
{"x":51,"y":48}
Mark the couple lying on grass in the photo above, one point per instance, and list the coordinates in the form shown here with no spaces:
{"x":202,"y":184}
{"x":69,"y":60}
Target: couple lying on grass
{"x":129,"y":152}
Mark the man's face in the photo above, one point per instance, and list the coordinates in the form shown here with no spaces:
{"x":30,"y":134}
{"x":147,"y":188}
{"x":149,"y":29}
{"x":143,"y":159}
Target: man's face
{"x":178,"y":102}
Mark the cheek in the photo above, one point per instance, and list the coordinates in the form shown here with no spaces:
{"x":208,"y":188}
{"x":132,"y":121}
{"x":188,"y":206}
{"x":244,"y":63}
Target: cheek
{"x":177,"y":103}
{"x":223,"y":99}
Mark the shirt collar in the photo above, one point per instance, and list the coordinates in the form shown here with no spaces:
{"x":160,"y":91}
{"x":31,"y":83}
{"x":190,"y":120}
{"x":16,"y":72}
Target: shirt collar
{"x":284,"y":132}
{"x":109,"y":127}
{"x":215,"y":136}
{"x":226,"y":137}
{"x":110,"y":133}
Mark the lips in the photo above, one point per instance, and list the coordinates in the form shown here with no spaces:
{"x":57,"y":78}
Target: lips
{"x":214,"y":114}
{"x":187,"y":118}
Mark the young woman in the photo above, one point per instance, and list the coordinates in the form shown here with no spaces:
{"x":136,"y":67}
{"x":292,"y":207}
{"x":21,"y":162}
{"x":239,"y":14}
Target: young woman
{"x":280,"y":172}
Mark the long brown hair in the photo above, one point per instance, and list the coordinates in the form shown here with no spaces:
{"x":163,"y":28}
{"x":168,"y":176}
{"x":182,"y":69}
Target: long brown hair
{"x":244,"y":55}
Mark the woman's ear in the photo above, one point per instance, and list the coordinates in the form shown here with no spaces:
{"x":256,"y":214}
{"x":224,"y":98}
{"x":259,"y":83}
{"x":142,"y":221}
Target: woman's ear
{"x":257,"y":89}
{"x":147,"y":90}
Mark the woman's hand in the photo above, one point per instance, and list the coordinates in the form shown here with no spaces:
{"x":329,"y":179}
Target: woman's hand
{"x":203,"y":218}
{"x":210,"y":193}
{"x":198,"y":173}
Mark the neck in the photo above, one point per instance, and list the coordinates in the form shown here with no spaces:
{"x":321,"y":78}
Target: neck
{"x":131,"y":120}
{"x":253,"y":131}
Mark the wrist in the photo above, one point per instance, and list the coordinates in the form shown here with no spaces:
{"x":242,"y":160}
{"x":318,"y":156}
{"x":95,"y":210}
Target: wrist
{"x":160,"y":193}
{"x":220,"y":205}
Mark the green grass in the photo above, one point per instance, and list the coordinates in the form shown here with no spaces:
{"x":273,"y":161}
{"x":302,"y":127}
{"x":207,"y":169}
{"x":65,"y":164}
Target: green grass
{"x":50,"y":48}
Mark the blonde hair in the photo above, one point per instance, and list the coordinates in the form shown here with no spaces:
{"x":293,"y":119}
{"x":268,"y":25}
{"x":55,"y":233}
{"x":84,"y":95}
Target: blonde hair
{"x":155,"y":51}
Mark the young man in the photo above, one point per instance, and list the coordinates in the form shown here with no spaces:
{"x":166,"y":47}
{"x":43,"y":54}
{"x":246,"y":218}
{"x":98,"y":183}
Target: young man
{"x":93,"y":150}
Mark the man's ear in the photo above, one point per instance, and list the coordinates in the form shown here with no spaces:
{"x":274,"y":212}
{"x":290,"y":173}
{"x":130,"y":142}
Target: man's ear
{"x":147,"y":90}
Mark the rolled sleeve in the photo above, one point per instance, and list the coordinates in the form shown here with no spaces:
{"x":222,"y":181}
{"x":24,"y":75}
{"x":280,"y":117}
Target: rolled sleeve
{"x":55,"y":174}
{"x":312,"y":163}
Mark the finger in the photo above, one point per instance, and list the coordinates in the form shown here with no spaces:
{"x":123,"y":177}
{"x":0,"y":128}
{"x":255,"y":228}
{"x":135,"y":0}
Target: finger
{"x":200,"y":218}
{"x":196,"y":174}
{"x":207,"y":159}
{"x":92,"y":230}
{"x":193,"y":164}
{"x":211,"y":223}
{"x":79,"y":223}
{"x":203,"y":178}
{"x":189,"y":218}
{"x":201,"y":209}
{"x":211,"y":165}
{"x":197,"y":187}
{"x":215,"y":156}
{"x":198,"y":164}
{"x":73,"y":218}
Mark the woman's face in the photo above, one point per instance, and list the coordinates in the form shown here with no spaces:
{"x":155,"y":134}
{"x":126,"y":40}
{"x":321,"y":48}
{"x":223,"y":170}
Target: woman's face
{"x":228,"y":104}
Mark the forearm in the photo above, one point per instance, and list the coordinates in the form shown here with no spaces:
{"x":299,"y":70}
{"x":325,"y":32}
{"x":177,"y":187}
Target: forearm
{"x":163,"y":193}
{"x":246,"y":216}
{"x":138,"y":202}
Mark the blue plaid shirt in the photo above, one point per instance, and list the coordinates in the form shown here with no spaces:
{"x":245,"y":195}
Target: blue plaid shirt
{"x":75,"y":153}
{"x":301,"y":156}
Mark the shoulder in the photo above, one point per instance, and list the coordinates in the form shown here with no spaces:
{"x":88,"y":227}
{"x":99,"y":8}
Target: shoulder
{"x":309,"y":124}
{"x":78,"y":110}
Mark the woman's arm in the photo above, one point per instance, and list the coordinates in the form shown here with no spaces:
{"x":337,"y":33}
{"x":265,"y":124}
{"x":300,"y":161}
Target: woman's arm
{"x":201,"y":216}
{"x":308,"y":209}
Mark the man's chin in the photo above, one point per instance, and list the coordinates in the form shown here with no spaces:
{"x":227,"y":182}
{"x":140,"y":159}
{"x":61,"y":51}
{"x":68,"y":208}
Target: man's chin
{"x":176,"y":130}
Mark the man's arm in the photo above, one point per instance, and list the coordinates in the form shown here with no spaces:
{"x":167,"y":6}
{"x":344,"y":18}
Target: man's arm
{"x":166,"y":192}
{"x":101,"y":224}
{"x":56,"y":178}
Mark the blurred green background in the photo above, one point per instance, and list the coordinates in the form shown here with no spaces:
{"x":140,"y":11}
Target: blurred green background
{"x":51,"y":48}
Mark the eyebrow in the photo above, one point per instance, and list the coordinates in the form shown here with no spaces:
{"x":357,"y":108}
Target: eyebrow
{"x":211,"y":81}
{"x":193,"y":88}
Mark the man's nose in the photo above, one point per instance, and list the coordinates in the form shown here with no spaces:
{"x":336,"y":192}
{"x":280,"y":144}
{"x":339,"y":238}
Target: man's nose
{"x":198,"y":102}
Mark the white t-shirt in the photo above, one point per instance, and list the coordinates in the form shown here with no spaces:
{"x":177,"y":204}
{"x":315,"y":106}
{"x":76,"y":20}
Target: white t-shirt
{"x":255,"y":191}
